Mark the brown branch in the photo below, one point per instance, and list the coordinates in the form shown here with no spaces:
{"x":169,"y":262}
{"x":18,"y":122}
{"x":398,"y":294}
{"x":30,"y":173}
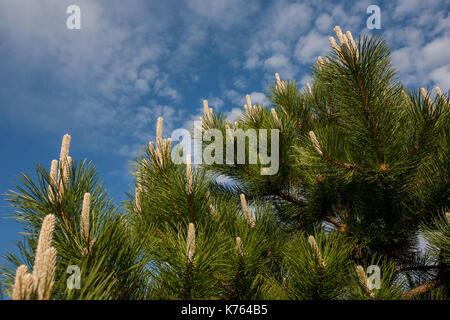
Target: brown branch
{"x":299,"y":125}
{"x":368,"y":115}
{"x":338,"y":163}
{"x":420,"y":289}
{"x":188,"y":285}
{"x":323,"y":109}
{"x":341,"y":226}
{"x":290,"y":198}
{"x":419,"y":143}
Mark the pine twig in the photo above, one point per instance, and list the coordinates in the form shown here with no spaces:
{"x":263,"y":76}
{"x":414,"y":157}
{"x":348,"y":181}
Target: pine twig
{"x":420,"y":289}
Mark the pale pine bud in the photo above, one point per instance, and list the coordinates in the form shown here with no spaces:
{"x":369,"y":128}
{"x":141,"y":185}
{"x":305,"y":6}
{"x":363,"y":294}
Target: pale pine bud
{"x":249,"y":102}
{"x":46,"y":277}
{"x":205,"y":108}
{"x":363,"y":278}
{"x":352,"y":44}
{"x":63,"y":161}
{"x":275,"y":117}
{"x":280,"y":87}
{"x":84,"y":226}
{"x":448,"y":216}
{"x":191,"y":242}
{"x":66,"y":173}
{"x":137,"y":201}
{"x":340,"y":35}
{"x":53,"y":171}
{"x":362,"y":275}
{"x":320,"y":63}
{"x":246,"y":211}
{"x":163,"y":148}
{"x":427,"y":99}
{"x":316,"y":144}
{"x":159,"y":128}
{"x":239,"y":247}
{"x":351,"y":41}
{"x":18,"y":283}
{"x":44,"y":243}
{"x":246,"y":110}
{"x":64,"y":149}
{"x":209,"y":120}
{"x":53,"y":177}
{"x":277,"y":77}
{"x":158,"y":156}
{"x":189,"y":174}
{"x":308,"y":86}
{"x":440,"y":94}
{"x":169,"y":149}
{"x":283,"y":110}
{"x":424,"y":93}
{"x":27,"y":287}
{"x":334,"y":44}
{"x":151,"y":148}
{"x":312,"y":242}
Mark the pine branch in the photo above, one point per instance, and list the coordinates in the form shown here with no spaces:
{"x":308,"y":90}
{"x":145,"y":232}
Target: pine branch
{"x":290,"y":198}
{"x":369,"y":118}
{"x":423,"y":288}
{"x":421,"y":139}
{"x":328,"y":158}
{"x":341,"y":226}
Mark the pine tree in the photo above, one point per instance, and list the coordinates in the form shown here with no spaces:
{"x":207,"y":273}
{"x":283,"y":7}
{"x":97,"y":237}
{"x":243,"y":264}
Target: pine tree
{"x":363,"y":171}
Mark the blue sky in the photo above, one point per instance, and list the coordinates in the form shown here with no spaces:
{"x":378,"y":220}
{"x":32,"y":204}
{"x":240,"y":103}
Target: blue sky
{"x":135,"y":60}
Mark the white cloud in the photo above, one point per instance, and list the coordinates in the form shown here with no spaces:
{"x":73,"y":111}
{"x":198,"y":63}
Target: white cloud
{"x":324,"y":23}
{"x":435,"y":53}
{"x":216,"y":103}
{"x":441,"y":77}
{"x":234,"y":96}
{"x":222,"y":13}
{"x":142,"y":86}
{"x":233,"y":115}
{"x":289,"y":19}
{"x":407,"y":7}
{"x":259,"y":98}
{"x":310,"y":47}
{"x":101,"y":76}
{"x":276,"y":62}
{"x":252,"y":62}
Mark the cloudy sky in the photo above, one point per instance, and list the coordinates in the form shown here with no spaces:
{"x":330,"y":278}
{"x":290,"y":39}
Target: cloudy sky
{"x":135,"y":60}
